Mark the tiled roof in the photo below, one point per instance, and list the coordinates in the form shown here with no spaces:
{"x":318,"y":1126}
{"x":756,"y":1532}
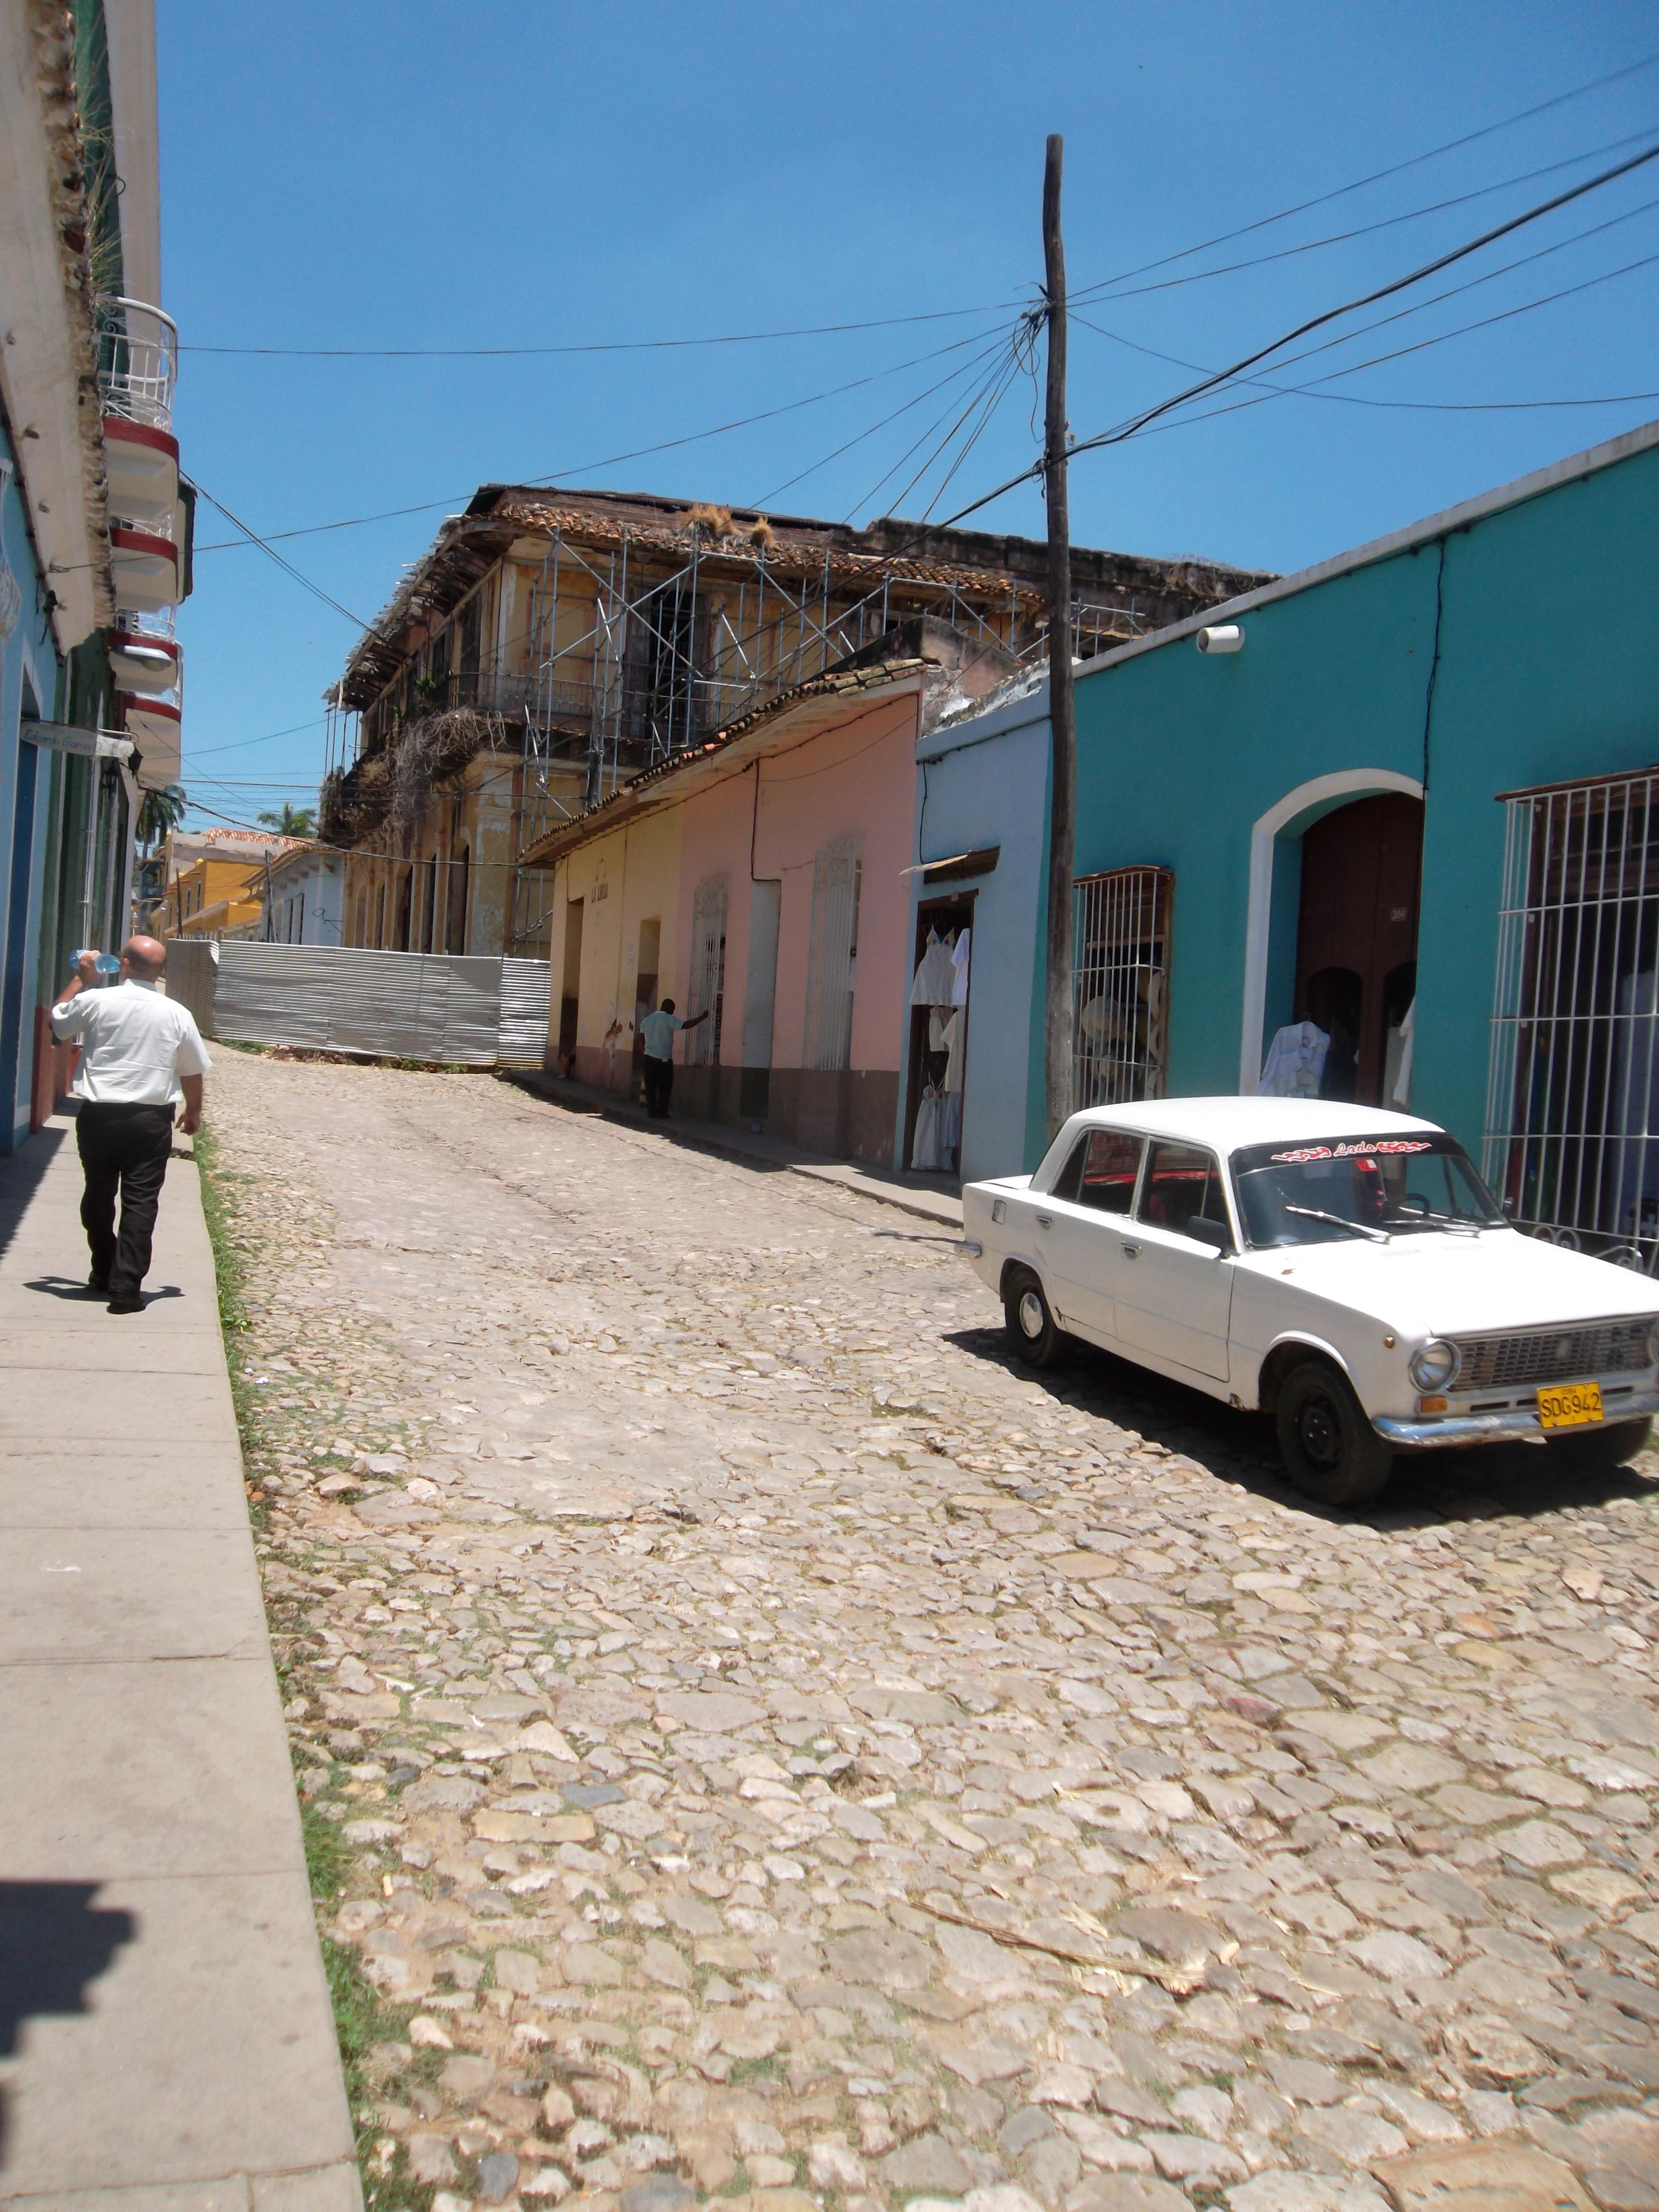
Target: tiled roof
{"x":782,"y":552}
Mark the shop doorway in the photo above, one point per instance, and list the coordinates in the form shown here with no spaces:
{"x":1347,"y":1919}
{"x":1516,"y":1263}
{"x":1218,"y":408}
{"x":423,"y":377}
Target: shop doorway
{"x":933,"y":1109}
{"x":645,"y":998}
{"x":571,"y":996}
{"x":1356,"y":947}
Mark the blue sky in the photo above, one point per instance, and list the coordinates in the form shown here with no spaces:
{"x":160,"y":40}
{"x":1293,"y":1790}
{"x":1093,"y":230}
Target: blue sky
{"x":428,"y":175}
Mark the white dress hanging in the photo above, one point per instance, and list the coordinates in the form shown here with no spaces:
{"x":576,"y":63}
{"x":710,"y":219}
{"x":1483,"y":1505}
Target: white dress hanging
{"x":925,"y":1147}
{"x":956,"y":1040}
{"x":959,"y":962}
{"x":934,"y":976}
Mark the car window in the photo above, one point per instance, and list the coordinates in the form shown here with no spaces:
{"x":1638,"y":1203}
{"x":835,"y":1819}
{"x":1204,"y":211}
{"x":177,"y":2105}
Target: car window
{"x":1181,"y":1182}
{"x":1065,"y":1184}
{"x":1110,"y":1165}
{"x":1348,"y":1187}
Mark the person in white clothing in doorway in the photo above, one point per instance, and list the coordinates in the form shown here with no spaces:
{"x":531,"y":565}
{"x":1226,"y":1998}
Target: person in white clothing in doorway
{"x":141,"y":1056}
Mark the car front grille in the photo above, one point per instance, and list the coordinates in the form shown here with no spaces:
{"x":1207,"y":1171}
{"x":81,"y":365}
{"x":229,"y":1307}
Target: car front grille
{"x":1553,"y":1355}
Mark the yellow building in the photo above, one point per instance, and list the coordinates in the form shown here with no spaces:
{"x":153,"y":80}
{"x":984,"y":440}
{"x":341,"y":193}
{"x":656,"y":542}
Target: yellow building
{"x":214,"y":896}
{"x":198,"y":871}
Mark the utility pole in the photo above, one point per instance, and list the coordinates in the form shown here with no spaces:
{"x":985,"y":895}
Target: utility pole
{"x":1057,"y":1023}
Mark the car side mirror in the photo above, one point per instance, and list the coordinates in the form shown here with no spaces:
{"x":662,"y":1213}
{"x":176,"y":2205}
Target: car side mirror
{"x":1214,"y":1233}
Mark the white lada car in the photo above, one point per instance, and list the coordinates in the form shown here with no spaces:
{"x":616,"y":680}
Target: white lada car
{"x":1343,"y":1269}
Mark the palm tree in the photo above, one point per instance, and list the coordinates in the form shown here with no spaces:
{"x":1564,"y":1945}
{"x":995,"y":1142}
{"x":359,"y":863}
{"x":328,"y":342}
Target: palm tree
{"x":159,"y":812}
{"x":292,"y":822}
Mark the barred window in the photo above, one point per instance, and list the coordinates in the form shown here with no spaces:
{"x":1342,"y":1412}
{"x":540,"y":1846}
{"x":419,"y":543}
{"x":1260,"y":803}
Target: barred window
{"x":708,"y":978}
{"x":836,"y":876}
{"x":1572,"y":1114}
{"x":1120,"y":985}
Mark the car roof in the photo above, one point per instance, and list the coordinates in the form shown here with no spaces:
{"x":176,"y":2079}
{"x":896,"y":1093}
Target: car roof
{"x":1227,"y":1123}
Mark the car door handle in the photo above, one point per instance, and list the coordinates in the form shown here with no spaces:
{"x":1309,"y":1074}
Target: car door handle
{"x":1131,"y":1251}
{"x":1045,"y":1221}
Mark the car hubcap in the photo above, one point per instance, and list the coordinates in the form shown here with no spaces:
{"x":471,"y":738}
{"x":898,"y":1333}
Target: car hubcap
{"x":1320,"y":1431}
{"x":1031,"y":1314}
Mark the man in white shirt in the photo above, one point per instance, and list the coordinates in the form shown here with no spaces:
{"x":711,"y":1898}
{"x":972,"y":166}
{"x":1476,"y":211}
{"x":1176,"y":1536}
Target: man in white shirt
{"x":142,"y":1055}
{"x":657,"y":1030}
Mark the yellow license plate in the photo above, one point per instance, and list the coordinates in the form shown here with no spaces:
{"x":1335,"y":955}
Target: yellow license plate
{"x":1569,"y":1404}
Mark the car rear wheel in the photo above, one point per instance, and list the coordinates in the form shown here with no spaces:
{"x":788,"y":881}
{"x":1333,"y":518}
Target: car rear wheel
{"x":1331,"y":1452}
{"x":1038,"y":1339}
{"x":1594,"y":1451}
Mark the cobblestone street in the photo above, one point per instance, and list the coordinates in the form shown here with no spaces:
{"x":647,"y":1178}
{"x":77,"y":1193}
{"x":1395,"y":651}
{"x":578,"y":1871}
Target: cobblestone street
{"x":780,"y":1750}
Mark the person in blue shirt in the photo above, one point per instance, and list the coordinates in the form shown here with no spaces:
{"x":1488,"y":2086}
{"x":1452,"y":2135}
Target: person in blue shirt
{"x":657,"y":1030}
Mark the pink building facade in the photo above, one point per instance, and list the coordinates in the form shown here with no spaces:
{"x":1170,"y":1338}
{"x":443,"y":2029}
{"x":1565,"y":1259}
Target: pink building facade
{"x":763,"y":880}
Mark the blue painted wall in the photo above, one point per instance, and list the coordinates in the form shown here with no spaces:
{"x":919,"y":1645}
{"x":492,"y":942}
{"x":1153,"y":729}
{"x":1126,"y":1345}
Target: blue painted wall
{"x":982,"y":784}
{"x":28,"y":671}
{"x":1547,"y":669}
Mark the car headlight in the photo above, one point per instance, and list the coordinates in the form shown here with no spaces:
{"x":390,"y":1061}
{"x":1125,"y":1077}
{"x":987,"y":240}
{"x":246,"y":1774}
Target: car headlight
{"x":1434,"y":1364}
{"x":1653,"y":1342}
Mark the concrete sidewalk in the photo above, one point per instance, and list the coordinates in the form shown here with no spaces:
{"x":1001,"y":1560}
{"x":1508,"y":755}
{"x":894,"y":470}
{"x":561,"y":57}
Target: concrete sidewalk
{"x":167,"y":2043}
{"x":932,"y":1198}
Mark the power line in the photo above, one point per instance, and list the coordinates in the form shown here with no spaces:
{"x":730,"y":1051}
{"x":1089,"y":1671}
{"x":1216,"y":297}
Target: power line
{"x":607,"y":345}
{"x":1382,"y":292}
{"x":1504,"y":315}
{"x":1388,"y":223}
{"x":1147,"y":415}
{"x":269,"y":737}
{"x":801,"y":475}
{"x":1359,"y":399}
{"x":316,"y":590}
{"x":1420,"y":306}
{"x":1377,"y":176}
{"x":611,"y":460}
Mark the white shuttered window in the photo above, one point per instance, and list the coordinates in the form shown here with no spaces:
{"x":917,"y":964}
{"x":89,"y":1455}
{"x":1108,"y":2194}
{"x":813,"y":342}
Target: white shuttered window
{"x":708,"y":979}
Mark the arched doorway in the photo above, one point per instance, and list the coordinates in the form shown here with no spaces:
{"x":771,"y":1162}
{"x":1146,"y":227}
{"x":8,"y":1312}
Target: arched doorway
{"x":1356,"y":947}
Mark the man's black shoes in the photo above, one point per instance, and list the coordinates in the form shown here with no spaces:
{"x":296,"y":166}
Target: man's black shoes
{"x":124,"y":1305}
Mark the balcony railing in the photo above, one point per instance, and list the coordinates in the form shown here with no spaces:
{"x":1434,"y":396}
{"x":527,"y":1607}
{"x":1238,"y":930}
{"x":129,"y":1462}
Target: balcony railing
{"x":137,"y":360}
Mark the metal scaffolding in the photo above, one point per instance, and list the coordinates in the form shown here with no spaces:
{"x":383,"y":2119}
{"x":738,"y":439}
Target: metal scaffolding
{"x":635,"y":649}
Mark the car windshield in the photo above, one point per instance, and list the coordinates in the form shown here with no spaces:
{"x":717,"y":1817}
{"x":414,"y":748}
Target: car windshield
{"x":1359,"y":1187}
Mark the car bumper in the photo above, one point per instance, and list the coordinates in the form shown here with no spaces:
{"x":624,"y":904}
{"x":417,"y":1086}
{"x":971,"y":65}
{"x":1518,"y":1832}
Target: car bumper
{"x":1436,"y":1433}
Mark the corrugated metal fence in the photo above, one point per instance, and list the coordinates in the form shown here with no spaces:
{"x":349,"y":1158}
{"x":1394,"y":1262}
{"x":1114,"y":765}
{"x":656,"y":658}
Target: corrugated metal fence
{"x":449,"y":1007}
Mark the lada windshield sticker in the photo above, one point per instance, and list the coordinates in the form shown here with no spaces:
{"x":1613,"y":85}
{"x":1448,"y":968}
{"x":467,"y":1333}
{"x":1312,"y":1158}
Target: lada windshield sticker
{"x":1363,"y":1150}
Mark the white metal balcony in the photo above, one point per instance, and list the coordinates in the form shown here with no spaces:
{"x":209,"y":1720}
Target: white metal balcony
{"x":137,"y":360}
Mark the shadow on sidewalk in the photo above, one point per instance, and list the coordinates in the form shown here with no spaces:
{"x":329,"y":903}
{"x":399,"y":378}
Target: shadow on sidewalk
{"x":20,"y":1173}
{"x":53,"y":1942}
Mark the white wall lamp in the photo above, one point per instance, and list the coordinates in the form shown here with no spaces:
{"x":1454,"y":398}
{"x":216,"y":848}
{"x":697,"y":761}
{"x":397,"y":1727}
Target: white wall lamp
{"x":1221,"y":637}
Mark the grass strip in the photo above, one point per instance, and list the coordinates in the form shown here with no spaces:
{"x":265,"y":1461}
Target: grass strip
{"x":362,"y":2017}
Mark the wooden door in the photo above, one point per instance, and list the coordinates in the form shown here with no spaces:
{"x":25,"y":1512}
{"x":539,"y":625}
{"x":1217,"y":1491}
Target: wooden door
{"x":1355,"y":955}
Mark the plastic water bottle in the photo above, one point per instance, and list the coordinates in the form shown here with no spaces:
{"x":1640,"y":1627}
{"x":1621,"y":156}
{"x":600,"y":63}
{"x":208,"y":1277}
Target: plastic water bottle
{"x":105,"y":963}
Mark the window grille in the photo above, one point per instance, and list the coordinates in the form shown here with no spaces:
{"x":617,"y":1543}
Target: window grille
{"x":708,"y":982}
{"x":1120,"y":985}
{"x":1572,"y":1111}
{"x":836,"y":875}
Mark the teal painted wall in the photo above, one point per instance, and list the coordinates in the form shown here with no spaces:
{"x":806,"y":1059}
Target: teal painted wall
{"x":1180,"y":752}
{"x":1549,"y":669}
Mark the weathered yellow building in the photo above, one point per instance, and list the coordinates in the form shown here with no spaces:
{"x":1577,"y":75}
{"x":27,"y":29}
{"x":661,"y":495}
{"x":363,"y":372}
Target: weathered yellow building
{"x":553,"y":645}
{"x":213,"y":898}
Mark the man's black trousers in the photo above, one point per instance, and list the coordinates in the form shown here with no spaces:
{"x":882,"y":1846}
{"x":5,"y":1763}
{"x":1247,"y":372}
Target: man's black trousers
{"x":658,"y":1086}
{"x":123,"y":1149}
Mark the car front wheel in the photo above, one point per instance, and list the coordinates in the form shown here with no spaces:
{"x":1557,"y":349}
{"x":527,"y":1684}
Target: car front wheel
{"x":1036,"y":1338}
{"x":1331,"y":1452}
{"x":1596,"y":1451}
